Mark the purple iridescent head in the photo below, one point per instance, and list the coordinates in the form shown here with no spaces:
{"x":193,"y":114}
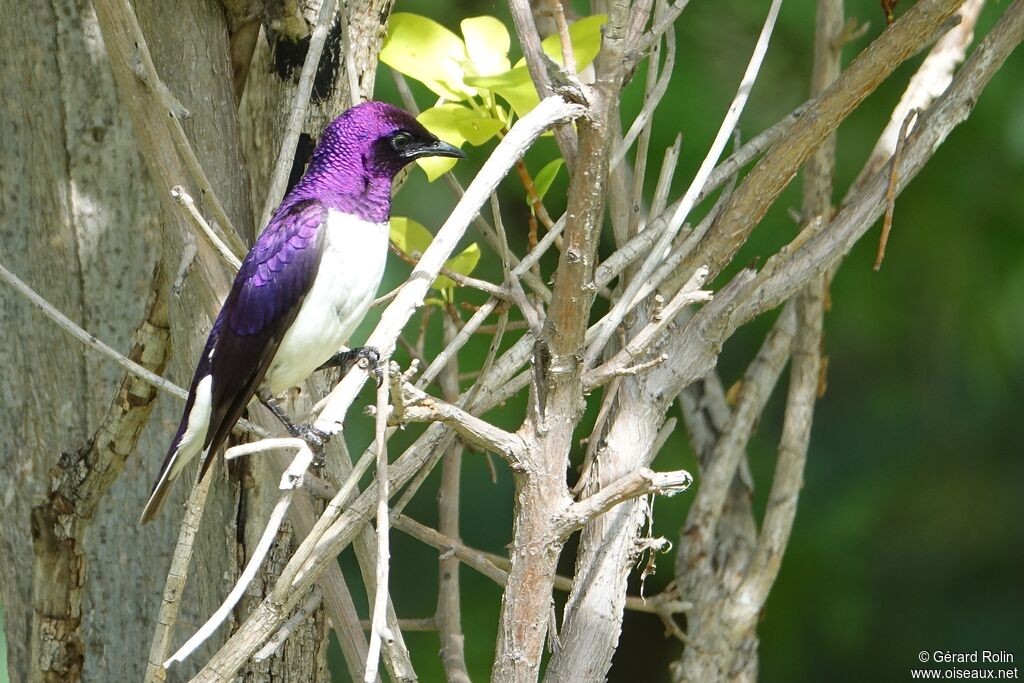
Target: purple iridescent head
{"x":359,"y":154}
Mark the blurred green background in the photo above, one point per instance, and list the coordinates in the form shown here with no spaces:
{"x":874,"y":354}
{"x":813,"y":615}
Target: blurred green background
{"x":910,"y":533}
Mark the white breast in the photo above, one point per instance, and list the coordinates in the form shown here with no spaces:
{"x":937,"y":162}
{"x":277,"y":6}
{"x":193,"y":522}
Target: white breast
{"x":351,"y":267}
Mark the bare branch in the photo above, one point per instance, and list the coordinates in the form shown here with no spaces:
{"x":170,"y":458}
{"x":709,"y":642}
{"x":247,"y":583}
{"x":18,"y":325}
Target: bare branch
{"x":380,"y":630}
{"x":529,"y":40}
{"x":448,"y":615}
{"x":796,"y":437}
{"x":185,"y":199}
{"x":890,"y":195}
{"x":89,"y":340}
{"x":275,"y":642}
{"x":783,"y":274}
{"x":291,"y":480}
{"x":763,"y":184}
{"x":496,"y":567}
{"x":929,"y":82}
{"x":638,"y":483}
{"x":174,"y":586}
{"x":637,"y":346}
{"x":682,"y":210}
{"x":758,"y":382}
{"x":655,"y":90}
{"x":421,"y":407}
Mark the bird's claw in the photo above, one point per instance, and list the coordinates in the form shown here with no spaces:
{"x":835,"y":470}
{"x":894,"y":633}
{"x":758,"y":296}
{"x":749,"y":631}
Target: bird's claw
{"x":316,"y":439}
{"x":371,"y":356}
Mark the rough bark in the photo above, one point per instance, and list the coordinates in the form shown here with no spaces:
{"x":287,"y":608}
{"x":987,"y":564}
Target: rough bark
{"x":84,"y":225}
{"x":80,"y":225}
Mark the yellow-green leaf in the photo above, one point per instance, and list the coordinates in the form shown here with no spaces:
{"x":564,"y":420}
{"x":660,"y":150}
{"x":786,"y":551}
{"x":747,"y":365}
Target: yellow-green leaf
{"x":456,"y":124}
{"x":425,"y":50}
{"x":463,"y":264}
{"x":585,"y":35}
{"x":409,"y":236}
{"x":542,"y":181}
{"x":435,"y":167}
{"x":487,"y":44}
{"x":514,"y":86}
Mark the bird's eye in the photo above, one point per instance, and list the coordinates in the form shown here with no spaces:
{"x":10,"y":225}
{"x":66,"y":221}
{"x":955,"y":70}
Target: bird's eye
{"x":400,"y":141}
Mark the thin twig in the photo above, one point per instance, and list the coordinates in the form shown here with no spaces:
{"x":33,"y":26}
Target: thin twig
{"x":661,"y":26}
{"x":185,"y":199}
{"x":466,"y":333}
{"x":682,"y":210}
{"x":656,"y":88}
{"x":642,"y":341}
{"x":290,"y":481}
{"x":380,"y":599}
{"x":297,"y":112}
{"x":931,"y":79}
{"x":448,"y":616}
{"x":275,"y":641}
{"x":355,"y":95}
{"x":495,"y":567}
{"x":458,"y":278}
{"x":421,"y":407}
{"x":890,"y":194}
{"x":533,"y":53}
{"x":564,"y":39}
{"x":92,"y":342}
{"x":638,"y":483}
{"x":174,"y":586}
{"x":89,"y":340}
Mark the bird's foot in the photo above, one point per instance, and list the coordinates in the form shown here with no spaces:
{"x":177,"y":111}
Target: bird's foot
{"x":348,"y":358}
{"x":315,"y":438}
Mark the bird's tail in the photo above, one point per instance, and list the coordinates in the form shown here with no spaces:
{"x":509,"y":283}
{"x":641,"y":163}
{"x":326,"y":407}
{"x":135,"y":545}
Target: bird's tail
{"x":189,"y":442}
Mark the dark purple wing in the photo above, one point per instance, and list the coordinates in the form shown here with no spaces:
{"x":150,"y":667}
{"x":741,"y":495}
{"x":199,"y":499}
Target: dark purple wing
{"x":266,"y":296}
{"x":267,"y":293}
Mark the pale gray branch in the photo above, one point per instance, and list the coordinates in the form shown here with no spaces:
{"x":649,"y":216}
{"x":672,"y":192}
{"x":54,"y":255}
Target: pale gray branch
{"x":185,"y":199}
{"x":689,"y":200}
{"x":379,"y":630}
{"x":421,"y":407}
{"x":638,"y":483}
{"x":89,"y":340}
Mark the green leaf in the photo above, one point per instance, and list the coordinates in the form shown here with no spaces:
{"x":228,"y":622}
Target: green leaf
{"x":456,"y":124}
{"x":585,"y":35}
{"x":542,"y":181}
{"x":435,"y":167}
{"x":463,"y":264}
{"x":514,"y":86}
{"x":487,"y":44}
{"x":425,"y":50}
{"x":413,"y":239}
{"x":409,"y":236}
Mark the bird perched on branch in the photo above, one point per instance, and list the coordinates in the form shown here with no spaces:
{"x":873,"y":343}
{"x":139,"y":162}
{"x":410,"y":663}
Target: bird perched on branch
{"x":306,"y":283}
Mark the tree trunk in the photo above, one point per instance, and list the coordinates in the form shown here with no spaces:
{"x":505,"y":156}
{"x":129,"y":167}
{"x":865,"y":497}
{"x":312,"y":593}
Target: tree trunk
{"x":88,"y":218}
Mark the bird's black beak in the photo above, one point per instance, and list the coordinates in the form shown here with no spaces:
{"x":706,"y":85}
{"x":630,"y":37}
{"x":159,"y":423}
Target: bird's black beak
{"x":436,"y":148}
